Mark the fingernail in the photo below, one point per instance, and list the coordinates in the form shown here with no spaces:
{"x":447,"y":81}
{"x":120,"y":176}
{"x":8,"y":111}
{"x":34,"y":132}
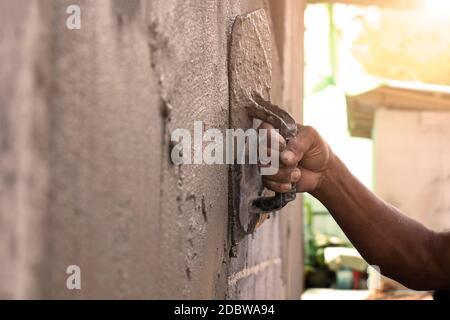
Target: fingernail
{"x":295,"y":176}
{"x":288,"y":156}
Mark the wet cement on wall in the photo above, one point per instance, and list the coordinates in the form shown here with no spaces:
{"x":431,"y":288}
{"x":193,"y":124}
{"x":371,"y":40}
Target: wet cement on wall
{"x":149,"y":67}
{"x":23,"y":147}
{"x":94,"y":185}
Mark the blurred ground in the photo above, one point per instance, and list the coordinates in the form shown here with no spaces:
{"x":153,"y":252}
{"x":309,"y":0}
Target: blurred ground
{"x":334,"y":294}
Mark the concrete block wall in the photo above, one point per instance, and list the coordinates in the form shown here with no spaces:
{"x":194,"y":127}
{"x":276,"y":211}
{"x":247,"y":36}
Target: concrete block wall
{"x":85,"y":123}
{"x":414,"y":147}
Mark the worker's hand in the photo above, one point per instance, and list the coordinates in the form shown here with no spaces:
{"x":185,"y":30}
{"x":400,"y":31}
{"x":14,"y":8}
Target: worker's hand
{"x":303,"y":160}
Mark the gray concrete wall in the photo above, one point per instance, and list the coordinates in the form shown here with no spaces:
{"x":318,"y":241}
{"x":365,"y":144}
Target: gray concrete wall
{"x":85,"y":123}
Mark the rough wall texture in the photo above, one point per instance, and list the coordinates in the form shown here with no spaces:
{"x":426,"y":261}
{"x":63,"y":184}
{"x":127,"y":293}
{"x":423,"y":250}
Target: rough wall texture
{"x":23,"y":147}
{"x":85,"y":122}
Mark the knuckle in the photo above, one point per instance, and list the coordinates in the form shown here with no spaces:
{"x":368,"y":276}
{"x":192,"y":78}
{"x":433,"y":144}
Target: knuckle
{"x":289,"y":159}
{"x":295,"y":175}
{"x":267,"y":126}
{"x":277,"y":186}
{"x":285,"y":178}
{"x":308,"y":129}
{"x":311,"y":133}
{"x":279,"y":178}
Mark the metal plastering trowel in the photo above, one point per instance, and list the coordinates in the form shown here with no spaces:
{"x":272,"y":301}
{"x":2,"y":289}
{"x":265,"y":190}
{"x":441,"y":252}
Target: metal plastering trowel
{"x":250,"y":74}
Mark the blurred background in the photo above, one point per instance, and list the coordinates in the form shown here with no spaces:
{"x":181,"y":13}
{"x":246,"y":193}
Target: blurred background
{"x":376,"y":87}
{"x":86,"y":115}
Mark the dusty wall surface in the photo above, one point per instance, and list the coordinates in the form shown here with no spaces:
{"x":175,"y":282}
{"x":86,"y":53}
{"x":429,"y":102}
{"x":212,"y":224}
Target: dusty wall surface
{"x":86,"y":180}
{"x":412,"y":163}
{"x":23,"y":148}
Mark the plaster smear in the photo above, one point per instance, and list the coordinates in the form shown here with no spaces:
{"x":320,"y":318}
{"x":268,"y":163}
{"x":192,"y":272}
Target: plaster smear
{"x":89,"y":127}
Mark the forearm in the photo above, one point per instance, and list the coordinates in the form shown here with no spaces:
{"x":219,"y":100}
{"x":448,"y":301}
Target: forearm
{"x":403,"y":248}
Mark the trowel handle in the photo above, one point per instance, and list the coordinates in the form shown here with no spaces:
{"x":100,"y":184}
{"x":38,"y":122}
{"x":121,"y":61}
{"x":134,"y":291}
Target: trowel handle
{"x":287,"y":196}
{"x":275,"y":203}
{"x":285,"y":123}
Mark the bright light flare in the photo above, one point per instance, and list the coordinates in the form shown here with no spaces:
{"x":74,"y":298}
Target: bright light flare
{"x":437,"y":6}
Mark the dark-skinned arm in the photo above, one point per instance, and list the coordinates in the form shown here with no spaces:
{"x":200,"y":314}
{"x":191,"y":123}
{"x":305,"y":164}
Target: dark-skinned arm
{"x":403,"y":248}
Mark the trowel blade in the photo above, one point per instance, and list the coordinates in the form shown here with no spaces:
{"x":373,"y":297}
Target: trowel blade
{"x":250,"y":70}
{"x":250,"y":62}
